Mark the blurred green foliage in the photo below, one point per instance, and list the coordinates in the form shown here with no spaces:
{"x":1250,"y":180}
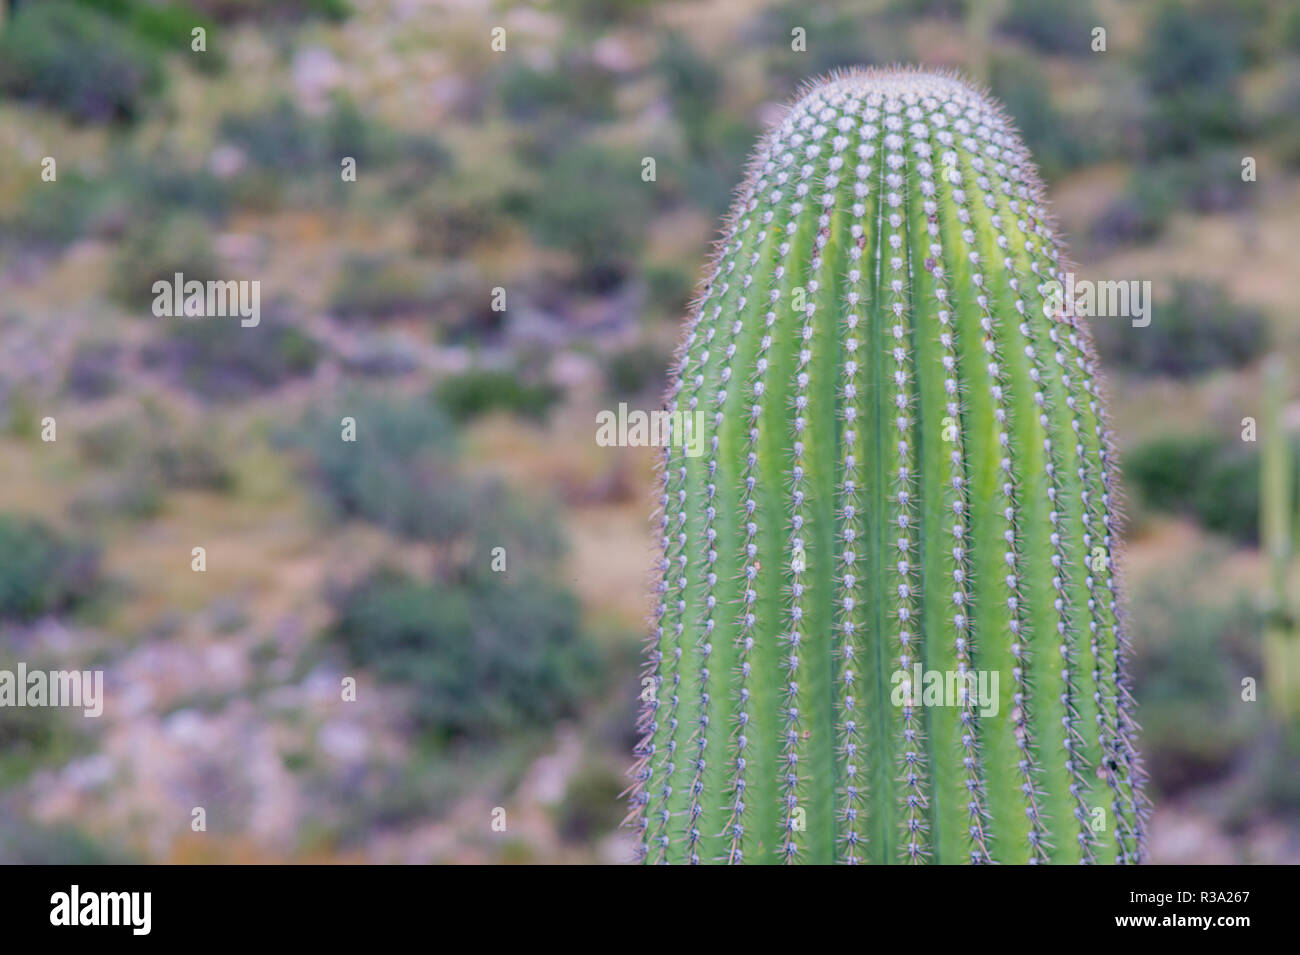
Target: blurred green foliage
{"x":574,"y":91}
{"x":1197,"y":329}
{"x":1202,"y":476}
{"x":485,"y":658}
{"x":64,"y":55}
{"x":152,"y":449}
{"x":400,"y":472}
{"x":1191,"y":66}
{"x":1054,"y":140}
{"x":639,"y":370}
{"x":593,"y":204}
{"x":42,"y":572}
{"x":1051,"y":26}
{"x":155,"y":251}
{"x":591,"y":806}
{"x":472,"y":393}
{"x":1187,"y":671}
{"x":377,"y":287}
{"x":219,"y":359}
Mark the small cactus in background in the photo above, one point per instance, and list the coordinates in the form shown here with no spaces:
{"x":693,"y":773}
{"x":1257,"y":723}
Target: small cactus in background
{"x":906,"y":477}
{"x":1277,"y":492}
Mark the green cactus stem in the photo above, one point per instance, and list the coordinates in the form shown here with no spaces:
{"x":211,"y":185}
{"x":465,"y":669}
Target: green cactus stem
{"x":905,"y":472}
{"x":1277,"y":476}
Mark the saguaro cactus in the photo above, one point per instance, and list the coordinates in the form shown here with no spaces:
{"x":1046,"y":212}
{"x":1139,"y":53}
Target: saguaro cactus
{"x":905,"y":472}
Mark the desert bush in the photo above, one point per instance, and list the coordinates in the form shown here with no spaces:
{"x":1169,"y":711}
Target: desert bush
{"x":229,"y":11}
{"x":165,"y":26}
{"x":1188,"y":654}
{"x":1051,"y":26}
{"x":638,"y":370}
{"x":137,"y":460}
{"x":157,"y":249}
{"x":1197,"y":329}
{"x":450,"y":223}
{"x":1190,"y":65}
{"x":24,"y":842}
{"x":479,"y":391}
{"x":283,"y":141}
{"x":1207,"y":182}
{"x":693,"y":85}
{"x":1213,"y":481}
{"x":42,"y":572}
{"x":571,"y":211}
{"x":135,"y":193}
{"x":63,"y":55}
{"x":399,"y":473}
{"x":837,"y":36}
{"x":483,"y":659}
{"x":56,"y":217}
{"x":92,"y":371}
{"x":157,"y":183}
{"x":1135,"y":216}
{"x":279,"y":138}
{"x":220,"y":359}
{"x":377,"y":287}
{"x":591,"y":808}
{"x":1055,"y":140}
{"x":575,"y":87}
{"x":668,"y":288}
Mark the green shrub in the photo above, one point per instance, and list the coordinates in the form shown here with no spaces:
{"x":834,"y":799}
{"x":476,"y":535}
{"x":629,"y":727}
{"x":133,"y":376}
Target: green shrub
{"x":93,"y":370}
{"x":62,"y":55}
{"x":154,"y":449}
{"x":1191,"y":63}
{"x":165,"y":26}
{"x":279,"y":138}
{"x":693,"y":86}
{"x":283,"y":143}
{"x":378,"y":287}
{"x":575,"y":87}
{"x":136,"y":194}
{"x":1051,"y":26}
{"x":450,"y":223}
{"x":271,"y":11}
{"x":47,"y":216}
{"x":593,"y":205}
{"x":156,"y":250}
{"x":399,"y":473}
{"x":837,"y":36}
{"x":41,"y":572}
{"x":26,"y":842}
{"x":637,"y":371}
{"x":1206,"y":182}
{"x":669,"y":288}
{"x":1058,"y":146}
{"x":220,"y":359}
{"x":483,"y":659}
{"x":479,"y":391}
{"x":1202,"y":477}
{"x":591,"y":807}
{"x":1189,"y":655}
{"x":1196,"y":330}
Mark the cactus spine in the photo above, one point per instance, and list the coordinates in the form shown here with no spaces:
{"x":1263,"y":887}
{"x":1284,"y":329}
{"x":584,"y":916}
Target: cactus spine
{"x":904,"y":464}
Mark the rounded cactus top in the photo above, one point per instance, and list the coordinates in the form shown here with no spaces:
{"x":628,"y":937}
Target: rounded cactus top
{"x":888,"y":627}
